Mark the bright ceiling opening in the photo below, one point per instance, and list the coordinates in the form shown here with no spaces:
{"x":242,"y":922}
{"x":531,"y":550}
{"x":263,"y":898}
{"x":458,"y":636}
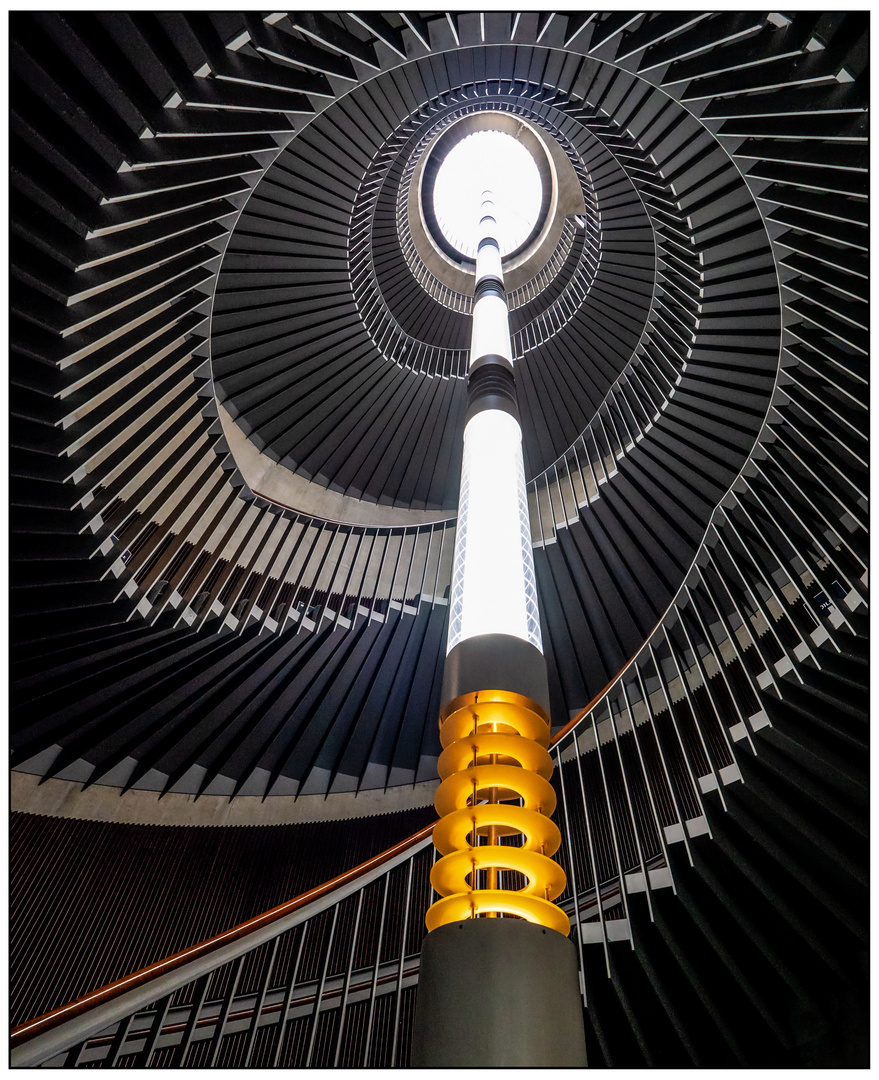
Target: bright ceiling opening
{"x":494,"y":160}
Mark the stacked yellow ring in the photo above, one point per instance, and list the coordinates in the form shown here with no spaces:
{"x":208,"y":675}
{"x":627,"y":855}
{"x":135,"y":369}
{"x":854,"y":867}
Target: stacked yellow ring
{"x":494,"y":750}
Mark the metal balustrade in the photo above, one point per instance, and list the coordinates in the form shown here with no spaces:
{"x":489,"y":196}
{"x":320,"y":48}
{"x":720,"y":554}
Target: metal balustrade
{"x":333,"y":982}
{"x":395,"y":343}
{"x":117,"y":431}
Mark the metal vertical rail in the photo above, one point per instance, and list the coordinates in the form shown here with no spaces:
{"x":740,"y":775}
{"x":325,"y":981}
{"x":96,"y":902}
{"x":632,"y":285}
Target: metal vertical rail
{"x":674,"y":723}
{"x":536,"y":490}
{"x":766,"y":579}
{"x":439,"y":560}
{"x":574,"y":506}
{"x":817,"y":540}
{"x":348,"y":576}
{"x":634,"y":375}
{"x":692,"y":706}
{"x":201,"y":990}
{"x":580,"y":472}
{"x":746,"y":623}
{"x":376,"y":965}
{"x":651,"y":370}
{"x":752,"y":592}
{"x":793,"y":576}
{"x":610,"y":404}
{"x":258,"y":1005}
{"x":638,"y":847}
{"x":402,"y":961}
{"x":424,"y":568}
{"x":704,"y":673}
{"x":356,"y":611}
{"x":575,"y":889}
{"x":303,"y":524}
{"x":660,"y":833}
{"x":721,"y":665}
{"x":288,"y":996}
{"x":268,"y":544}
{"x":613,"y":832}
{"x":652,"y":717}
{"x":402,"y":536}
{"x":599,"y":456}
{"x":552,"y":517}
{"x":346,"y":986}
{"x":613,"y":456}
{"x":591,"y":849}
{"x":318,"y":532}
{"x":410,"y":562}
{"x":328,"y":591}
{"x":71,"y":1060}
{"x":239,"y":523}
{"x":791,"y":420}
{"x":643,"y":370}
{"x":817,"y":479}
{"x":220,"y":1028}
{"x":260,"y":526}
{"x":378,"y":578}
{"x":306,"y":606}
{"x":618,"y":402}
{"x":589,"y":462}
{"x":319,"y":991}
{"x":119,"y":1037}
{"x":266,"y":593}
{"x":142,"y":1060}
{"x":730,"y":633}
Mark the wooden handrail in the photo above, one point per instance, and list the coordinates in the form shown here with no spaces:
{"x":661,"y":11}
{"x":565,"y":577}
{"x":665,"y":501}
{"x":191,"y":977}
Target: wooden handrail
{"x":47,"y":1021}
{"x":40,"y":1025}
{"x":588,"y":708}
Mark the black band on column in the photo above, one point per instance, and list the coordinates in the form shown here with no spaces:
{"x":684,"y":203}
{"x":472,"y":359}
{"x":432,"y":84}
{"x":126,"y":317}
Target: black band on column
{"x":489,"y":286}
{"x":491,"y":385}
{"x":490,"y":358}
{"x":496,"y":662}
{"x":485,"y":241}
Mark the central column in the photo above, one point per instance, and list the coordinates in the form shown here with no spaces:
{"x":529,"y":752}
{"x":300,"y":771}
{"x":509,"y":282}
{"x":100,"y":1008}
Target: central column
{"x":498,"y":981}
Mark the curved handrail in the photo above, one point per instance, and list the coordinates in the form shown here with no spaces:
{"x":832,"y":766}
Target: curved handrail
{"x":46,"y":1022}
{"x":40,"y":1025}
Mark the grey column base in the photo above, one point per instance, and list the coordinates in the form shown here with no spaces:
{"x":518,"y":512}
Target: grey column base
{"x":495,"y":992}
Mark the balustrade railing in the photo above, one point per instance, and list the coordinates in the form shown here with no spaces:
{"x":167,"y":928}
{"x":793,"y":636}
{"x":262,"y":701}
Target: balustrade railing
{"x":329,"y":979}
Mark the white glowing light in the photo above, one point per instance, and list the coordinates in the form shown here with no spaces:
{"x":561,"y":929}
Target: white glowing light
{"x":490,"y":332}
{"x":493,"y":586}
{"x":487,"y":159}
{"x":488,"y":262}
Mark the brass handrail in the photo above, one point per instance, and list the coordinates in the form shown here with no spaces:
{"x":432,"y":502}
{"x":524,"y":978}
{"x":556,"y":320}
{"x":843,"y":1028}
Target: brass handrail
{"x":30,"y":1029}
{"x":39,"y":1025}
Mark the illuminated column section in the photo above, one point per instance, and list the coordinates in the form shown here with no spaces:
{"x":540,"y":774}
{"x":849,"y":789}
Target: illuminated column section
{"x":495,"y":767}
{"x":495,"y":991}
{"x":492,"y":991}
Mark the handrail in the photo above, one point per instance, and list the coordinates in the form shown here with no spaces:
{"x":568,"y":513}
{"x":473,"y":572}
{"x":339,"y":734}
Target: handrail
{"x":39,"y":1025}
{"x":29,"y":1030}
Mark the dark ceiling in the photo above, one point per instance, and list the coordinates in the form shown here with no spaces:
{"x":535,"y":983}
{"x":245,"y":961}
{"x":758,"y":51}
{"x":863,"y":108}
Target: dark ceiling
{"x":205,"y":207}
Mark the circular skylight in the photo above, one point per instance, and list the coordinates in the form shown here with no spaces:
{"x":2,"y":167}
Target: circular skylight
{"x":493,"y":160}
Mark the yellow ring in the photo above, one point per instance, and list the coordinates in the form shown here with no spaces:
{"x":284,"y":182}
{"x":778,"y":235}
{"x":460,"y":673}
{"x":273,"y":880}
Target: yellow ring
{"x":527,"y":753}
{"x":465,"y":905}
{"x":545,"y":877}
{"x":487,"y":715}
{"x":507,"y":727}
{"x":541,"y":833}
{"x":485,"y":697}
{"x":455,"y":790}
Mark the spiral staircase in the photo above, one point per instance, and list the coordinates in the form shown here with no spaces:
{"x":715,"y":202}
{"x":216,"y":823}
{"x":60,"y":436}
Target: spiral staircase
{"x":237,"y":398}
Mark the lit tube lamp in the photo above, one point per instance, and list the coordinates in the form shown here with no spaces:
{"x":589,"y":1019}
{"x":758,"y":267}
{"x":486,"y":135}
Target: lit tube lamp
{"x":498,"y":983}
